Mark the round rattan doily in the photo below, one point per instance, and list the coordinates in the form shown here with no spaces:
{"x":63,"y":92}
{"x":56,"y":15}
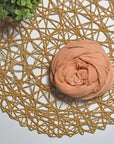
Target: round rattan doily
{"x":26,"y":52}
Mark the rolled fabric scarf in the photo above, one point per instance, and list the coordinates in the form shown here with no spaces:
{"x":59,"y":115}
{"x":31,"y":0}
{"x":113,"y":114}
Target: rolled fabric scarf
{"x":81,"y":69}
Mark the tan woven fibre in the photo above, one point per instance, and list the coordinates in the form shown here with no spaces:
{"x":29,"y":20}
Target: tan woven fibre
{"x":26,"y":52}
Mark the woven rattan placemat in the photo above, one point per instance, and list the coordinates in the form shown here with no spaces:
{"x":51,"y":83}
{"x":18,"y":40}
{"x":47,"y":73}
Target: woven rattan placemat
{"x":26,"y":52}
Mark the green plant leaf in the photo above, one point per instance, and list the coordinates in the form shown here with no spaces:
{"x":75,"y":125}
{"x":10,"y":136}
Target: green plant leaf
{"x":18,"y":17}
{"x":17,"y":9}
{"x":18,"y":12}
{"x":18,"y":2}
{"x":23,"y":2}
{"x":29,"y":4}
{"x":13,"y":1}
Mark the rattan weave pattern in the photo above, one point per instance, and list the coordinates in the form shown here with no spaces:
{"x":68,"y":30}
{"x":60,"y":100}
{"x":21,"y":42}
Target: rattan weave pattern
{"x":26,"y":52}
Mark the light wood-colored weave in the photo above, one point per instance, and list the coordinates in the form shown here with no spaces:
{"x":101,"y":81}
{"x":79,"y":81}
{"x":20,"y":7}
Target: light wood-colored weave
{"x":26,"y":52}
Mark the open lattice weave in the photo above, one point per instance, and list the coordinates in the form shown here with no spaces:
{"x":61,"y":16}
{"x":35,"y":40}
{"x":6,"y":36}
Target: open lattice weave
{"x":26,"y":51}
